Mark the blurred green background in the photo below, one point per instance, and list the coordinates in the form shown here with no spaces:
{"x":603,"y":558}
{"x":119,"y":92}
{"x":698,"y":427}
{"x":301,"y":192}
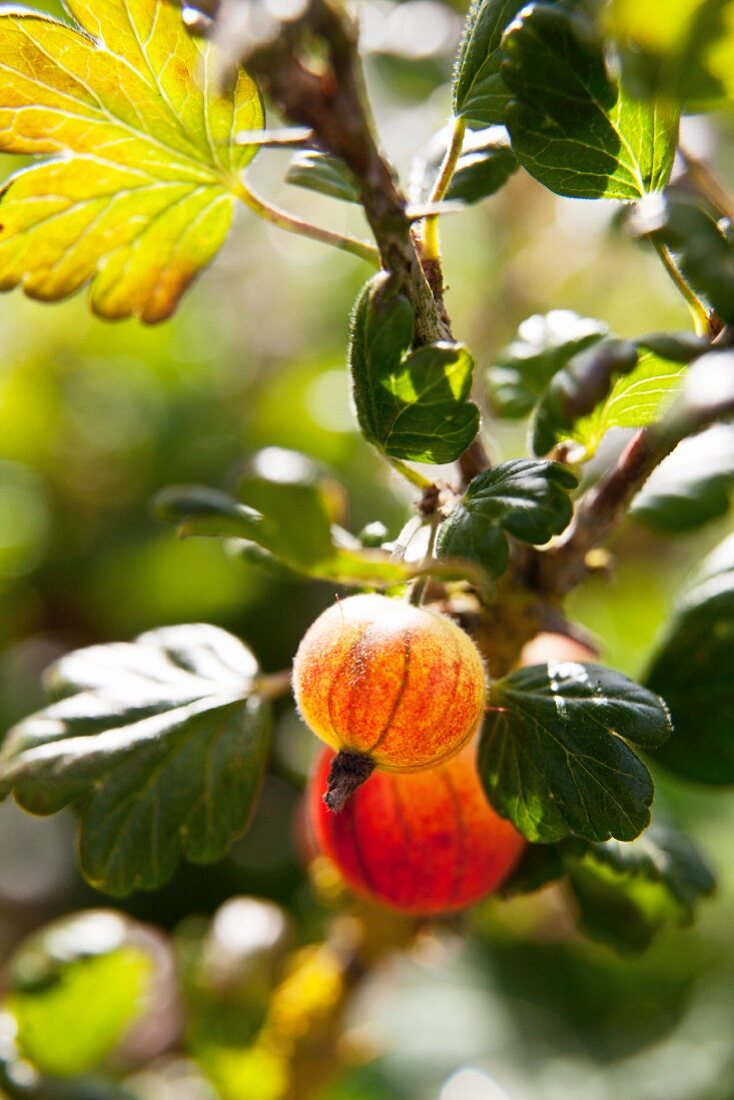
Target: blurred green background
{"x":508,"y":1003}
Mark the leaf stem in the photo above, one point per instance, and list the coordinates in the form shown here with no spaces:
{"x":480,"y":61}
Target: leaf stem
{"x":271,"y":685}
{"x":431,"y":249}
{"x":699,"y":313}
{"x":413,"y":476}
{"x":293,"y":224}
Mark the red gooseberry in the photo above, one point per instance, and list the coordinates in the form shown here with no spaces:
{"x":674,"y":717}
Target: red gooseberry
{"x":423,"y":842}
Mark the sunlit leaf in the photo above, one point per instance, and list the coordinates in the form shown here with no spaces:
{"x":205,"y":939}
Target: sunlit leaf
{"x":572,"y":126}
{"x":410,"y":404}
{"x":554,"y":754}
{"x":484,"y":167}
{"x":161,"y":742}
{"x":524,"y":498}
{"x":143,"y":176}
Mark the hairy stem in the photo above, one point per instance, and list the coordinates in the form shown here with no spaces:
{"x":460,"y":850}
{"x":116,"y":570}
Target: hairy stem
{"x":431,"y":245}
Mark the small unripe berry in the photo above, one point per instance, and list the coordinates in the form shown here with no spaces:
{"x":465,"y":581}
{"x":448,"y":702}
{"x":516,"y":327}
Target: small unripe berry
{"x":387,"y":685}
{"x":424,"y":843}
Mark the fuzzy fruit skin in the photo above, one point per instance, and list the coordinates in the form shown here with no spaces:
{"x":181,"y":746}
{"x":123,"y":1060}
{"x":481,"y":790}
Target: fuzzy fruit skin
{"x":400,"y":684}
{"x":423,"y":843}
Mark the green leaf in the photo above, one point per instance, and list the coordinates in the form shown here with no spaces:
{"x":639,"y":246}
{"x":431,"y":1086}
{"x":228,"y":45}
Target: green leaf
{"x":523,"y":498}
{"x":627,"y":892}
{"x":615,"y":384}
{"x":577,"y":389}
{"x":573,"y":127}
{"x":293,"y":530}
{"x":322,"y":172}
{"x":544,"y":344}
{"x":703,"y":248}
{"x":480,"y":95}
{"x":76,"y":987}
{"x":485,"y":165}
{"x":161,"y":743}
{"x":410,"y":404}
{"x":142,"y":178}
{"x":692,"y":486}
{"x":693,"y":669}
{"x":539,"y":865}
{"x":554,"y":756}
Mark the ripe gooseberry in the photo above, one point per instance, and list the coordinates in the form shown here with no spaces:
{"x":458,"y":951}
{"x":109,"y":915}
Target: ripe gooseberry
{"x":387,"y":685}
{"x":422,"y":842}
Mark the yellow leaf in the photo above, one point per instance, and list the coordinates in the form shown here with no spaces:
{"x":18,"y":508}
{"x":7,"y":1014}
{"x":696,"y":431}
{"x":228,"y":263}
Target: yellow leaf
{"x":140,"y":189}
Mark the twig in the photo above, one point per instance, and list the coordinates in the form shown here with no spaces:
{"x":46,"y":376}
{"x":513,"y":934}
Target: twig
{"x":708,"y":184}
{"x":330,"y":100}
{"x":603,"y":508}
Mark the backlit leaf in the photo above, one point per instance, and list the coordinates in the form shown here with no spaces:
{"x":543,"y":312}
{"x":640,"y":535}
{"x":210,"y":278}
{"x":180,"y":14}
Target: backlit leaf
{"x":142,"y":178}
{"x":161,"y":742}
{"x":572,"y":126}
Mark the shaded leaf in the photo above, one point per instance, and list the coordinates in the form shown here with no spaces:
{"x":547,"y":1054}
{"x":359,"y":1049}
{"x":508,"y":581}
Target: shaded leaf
{"x":485,"y":165}
{"x":693,"y":669}
{"x":140,"y":189}
{"x":628,"y":891}
{"x":410,"y":404}
{"x":554,"y":756}
{"x":572,"y":126}
{"x":322,"y":172}
{"x":539,"y":865}
{"x":544,"y":344}
{"x":75,"y":989}
{"x":692,"y":486}
{"x":529,"y":500}
{"x":161,"y":742}
{"x":480,"y":94}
